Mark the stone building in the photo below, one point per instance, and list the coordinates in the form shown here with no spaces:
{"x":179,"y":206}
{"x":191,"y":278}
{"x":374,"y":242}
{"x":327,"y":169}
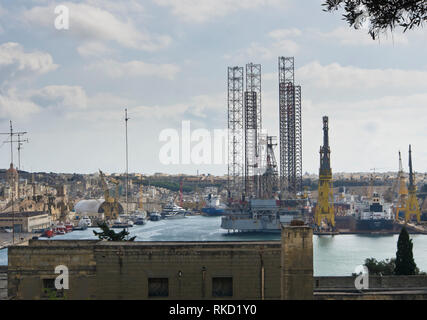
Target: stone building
{"x":190,"y":270}
{"x":12,"y":179}
{"x":162,"y":270}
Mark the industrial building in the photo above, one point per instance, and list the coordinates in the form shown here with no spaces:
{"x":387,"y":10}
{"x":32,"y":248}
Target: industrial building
{"x":25,"y":221}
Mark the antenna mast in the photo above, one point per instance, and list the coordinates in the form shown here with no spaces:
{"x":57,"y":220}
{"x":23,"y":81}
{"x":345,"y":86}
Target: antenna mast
{"x":127,"y":161}
{"x":11,"y":134}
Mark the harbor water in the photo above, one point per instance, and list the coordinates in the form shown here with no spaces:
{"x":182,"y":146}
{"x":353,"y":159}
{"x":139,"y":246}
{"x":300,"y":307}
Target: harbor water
{"x":333,"y":255}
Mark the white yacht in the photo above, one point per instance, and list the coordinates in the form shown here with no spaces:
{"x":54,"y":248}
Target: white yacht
{"x":172,"y":211}
{"x":83,"y":223}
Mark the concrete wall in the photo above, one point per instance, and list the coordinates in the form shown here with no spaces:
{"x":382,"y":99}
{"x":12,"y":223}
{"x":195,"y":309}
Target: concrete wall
{"x":375,"y":282}
{"x":3,"y":283}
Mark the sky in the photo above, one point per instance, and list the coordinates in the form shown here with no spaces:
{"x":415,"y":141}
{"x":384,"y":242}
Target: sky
{"x":166,"y":62}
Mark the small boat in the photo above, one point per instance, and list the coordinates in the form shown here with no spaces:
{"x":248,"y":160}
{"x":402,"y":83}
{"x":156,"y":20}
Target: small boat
{"x":122,"y":224}
{"x":155,"y":216}
{"x":68,"y":227}
{"x":83,"y":224}
{"x":179,"y":215}
{"x":140,"y":221}
{"x":48,"y":233}
{"x":60,"y":229}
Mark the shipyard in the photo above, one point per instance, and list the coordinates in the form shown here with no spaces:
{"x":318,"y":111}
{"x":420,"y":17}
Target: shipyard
{"x":171,"y":150}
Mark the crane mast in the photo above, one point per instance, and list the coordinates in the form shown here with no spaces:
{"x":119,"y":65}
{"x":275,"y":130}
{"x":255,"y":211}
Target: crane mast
{"x":325,"y":202}
{"x":412,"y":205}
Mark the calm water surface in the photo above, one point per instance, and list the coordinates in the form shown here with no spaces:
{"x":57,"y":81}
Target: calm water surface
{"x":333,"y":255}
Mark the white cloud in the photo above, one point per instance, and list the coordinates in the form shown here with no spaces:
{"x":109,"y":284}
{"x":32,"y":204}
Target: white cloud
{"x":135,"y":68}
{"x":96,"y":24}
{"x":281,"y":45}
{"x":284,"y":33}
{"x":13,"y":57}
{"x":12,"y":105}
{"x":96,"y":49}
{"x":204,"y":10}
{"x":60,"y":97}
{"x":361,"y":37}
{"x":336,"y":76}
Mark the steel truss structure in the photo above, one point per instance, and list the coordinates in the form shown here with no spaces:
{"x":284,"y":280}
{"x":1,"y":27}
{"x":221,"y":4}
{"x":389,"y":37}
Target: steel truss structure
{"x":290,"y":129}
{"x":251,"y":144}
{"x":235,"y":131}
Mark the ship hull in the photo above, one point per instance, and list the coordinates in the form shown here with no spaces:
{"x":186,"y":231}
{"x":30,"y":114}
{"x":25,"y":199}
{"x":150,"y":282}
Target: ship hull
{"x":247,"y":224}
{"x":213,"y":212}
{"x":374,"y":225}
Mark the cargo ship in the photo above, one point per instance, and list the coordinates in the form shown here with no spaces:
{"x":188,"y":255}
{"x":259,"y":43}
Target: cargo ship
{"x":374,"y":216}
{"x":213,"y":207}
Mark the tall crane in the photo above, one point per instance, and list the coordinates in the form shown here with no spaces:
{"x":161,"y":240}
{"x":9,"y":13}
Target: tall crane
{"x":110,"y":202}
{"x":403,"y":191}
{"x":325,"y":202}
{"x":412,"y":205}
{"x":116,"y":198}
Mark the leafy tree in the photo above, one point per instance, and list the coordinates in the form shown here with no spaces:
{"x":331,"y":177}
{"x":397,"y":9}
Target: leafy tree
{"x":405,"y":264}
{"x":381,"y":14}
{"x":111,"y":235}
{"x":384,"y":267}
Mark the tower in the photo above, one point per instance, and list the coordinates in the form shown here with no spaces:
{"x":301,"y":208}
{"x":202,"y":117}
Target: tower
{"x":325,"y":202}
{"x":290,"y":129}
{"x":403,"y":191}
{"x":412,"y":206}
{"x":252,"y":120}
{"x":235,"y":131}
{"x":297,"y":262}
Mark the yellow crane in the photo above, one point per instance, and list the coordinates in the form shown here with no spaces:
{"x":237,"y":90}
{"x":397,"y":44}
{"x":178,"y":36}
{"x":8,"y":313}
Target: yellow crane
{"x":403,"y":190}
{"x":412,"y":206}
{"x":325,"y":200}
{"x":110,"y":203}
{"x":116,"y":198}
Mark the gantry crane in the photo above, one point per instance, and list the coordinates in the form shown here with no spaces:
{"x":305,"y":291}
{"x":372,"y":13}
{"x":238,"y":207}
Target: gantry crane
{"x":325,"y":202}
{"x":412,"y":206}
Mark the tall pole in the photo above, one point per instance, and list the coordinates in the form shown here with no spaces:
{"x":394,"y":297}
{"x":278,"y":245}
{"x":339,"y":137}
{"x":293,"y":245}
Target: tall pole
{"x":127,"y":161}
{"x":20,"y":143}
{"x":11,"y":134}
{"x":13,"y":182}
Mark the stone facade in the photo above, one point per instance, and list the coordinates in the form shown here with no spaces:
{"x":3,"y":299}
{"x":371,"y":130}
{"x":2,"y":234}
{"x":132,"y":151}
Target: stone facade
{"x":107,"y":270}
{"x":297,"y":263}
{"x":190,"y":270}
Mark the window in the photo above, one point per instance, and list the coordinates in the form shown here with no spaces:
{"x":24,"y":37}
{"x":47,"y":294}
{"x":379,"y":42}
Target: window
{"x":222,"y":287}
{"x":158,"y":287}
{"x":49,"y":290}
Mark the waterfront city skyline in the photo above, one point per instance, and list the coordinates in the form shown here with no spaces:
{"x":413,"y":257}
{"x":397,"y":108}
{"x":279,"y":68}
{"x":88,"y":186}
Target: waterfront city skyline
{"x":166,"y":62}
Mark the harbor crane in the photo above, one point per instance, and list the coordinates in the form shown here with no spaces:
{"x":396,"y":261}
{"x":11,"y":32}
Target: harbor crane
{"x":325,"y":202}
{"x":110,"y":211}
{"x":403,"y":190}
{"x":412,"y":205}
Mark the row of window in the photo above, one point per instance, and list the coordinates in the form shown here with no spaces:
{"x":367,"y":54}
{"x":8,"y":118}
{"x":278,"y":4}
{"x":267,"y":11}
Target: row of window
{"x":221,"y":287}
{"x":159,"y":287}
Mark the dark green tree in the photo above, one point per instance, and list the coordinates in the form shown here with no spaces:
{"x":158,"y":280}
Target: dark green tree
{"x":405,"y":264}
{"x":382,"y":15}
{"x":383,"y":267}
{"x":111,"y":235}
